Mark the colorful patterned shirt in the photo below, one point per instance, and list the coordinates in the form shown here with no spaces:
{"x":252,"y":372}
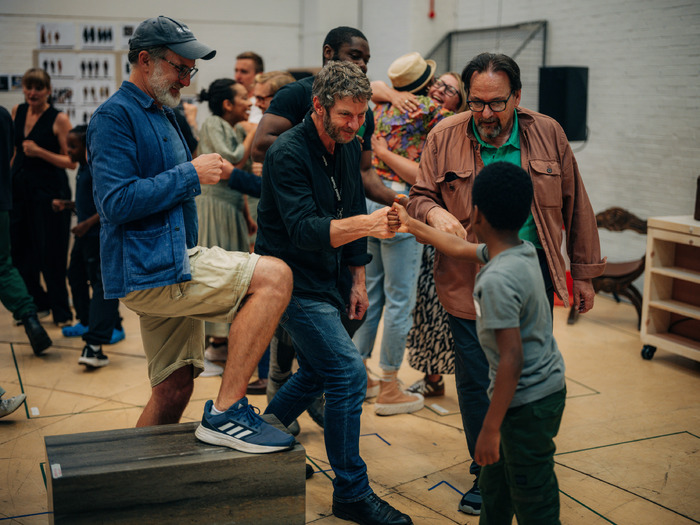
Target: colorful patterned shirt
{"x":405,"y":133}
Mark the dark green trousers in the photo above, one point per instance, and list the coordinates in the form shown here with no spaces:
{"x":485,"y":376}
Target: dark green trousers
{"x":13,"y":292}
{"x":522,"y":482}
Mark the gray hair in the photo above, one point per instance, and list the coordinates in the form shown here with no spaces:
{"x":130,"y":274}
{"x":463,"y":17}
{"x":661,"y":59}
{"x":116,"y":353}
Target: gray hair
{"x":339,"y":80}
{"x":154,"y":52}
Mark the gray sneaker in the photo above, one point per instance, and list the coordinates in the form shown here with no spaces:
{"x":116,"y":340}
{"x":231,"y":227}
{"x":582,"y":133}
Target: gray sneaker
{"x":7,"y":406}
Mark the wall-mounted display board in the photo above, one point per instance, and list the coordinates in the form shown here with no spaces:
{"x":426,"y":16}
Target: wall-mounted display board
{"x":86,"y":62}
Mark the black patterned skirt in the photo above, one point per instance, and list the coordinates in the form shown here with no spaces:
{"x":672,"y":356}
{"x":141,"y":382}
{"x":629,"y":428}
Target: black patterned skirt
{"x":429,"y":343}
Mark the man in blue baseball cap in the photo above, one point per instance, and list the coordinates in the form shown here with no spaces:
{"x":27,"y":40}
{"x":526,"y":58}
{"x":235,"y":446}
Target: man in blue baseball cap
{"x":145,"y":182}
{"x":176,"y":36}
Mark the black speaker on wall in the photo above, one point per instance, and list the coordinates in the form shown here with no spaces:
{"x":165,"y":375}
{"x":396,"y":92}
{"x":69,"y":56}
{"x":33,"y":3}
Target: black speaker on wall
{"x":564,"y":97}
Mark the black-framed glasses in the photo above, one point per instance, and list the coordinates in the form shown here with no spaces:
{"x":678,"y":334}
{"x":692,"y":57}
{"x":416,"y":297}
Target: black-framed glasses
{"x":439,"y":84}
{"x":183,"y":71}
{"x":496,"y":105}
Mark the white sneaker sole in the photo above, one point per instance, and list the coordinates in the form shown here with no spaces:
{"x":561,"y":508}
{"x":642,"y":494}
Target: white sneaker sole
{"x":93,"y":362}
{"x":390,"y":409}
{"x":217,"y":438}
{"x":468,"y":510}
{"x":211,"y":369}
{"x":215,"y":354}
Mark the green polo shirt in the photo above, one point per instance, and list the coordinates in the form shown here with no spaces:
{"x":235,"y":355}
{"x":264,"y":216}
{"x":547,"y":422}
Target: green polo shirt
{"x":509,"y":152}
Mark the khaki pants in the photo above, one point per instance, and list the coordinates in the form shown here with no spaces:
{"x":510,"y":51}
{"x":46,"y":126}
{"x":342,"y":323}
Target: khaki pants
{"x":172,"y":317}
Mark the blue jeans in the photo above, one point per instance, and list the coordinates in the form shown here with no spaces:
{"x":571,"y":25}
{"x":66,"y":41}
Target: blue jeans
{"x":472,"y":380}
{"x":330,"y":363}
{"x":392,"y":280}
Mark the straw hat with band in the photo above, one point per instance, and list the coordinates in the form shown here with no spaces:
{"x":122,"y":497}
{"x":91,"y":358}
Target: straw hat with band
{"x":176,"y":36}
{"x":411,"y":72}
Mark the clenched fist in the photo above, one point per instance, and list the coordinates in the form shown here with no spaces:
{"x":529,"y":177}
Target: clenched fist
{"x":209,"y":168}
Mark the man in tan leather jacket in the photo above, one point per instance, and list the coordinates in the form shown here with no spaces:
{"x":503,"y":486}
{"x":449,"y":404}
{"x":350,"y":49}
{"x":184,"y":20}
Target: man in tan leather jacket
{"x":457,"y":149}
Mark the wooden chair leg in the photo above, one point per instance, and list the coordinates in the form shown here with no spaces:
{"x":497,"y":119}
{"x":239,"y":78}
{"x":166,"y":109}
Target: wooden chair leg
{"x":636,"y":299}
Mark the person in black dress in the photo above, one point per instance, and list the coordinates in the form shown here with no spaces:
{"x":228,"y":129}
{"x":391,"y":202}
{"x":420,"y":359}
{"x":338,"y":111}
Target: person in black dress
{"x":40,"y":236}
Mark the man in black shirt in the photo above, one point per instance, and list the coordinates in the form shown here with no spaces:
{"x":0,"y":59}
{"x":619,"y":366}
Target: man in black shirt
{"x":312,"y":215}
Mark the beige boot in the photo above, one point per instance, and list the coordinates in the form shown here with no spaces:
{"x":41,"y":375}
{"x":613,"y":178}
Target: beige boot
{"x":393,"y":400}
{"x":372,"y":384}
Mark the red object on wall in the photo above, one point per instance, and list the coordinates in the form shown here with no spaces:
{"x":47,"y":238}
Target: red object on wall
{"x":431,"y":13}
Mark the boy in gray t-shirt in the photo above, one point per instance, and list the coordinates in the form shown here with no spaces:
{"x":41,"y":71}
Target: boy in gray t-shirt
{"x":516,"y":444}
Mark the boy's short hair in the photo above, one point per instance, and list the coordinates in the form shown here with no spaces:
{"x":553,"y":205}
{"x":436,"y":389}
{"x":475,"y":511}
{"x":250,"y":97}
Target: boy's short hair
{"x":79,"y":131}
{"x":503,"y":193}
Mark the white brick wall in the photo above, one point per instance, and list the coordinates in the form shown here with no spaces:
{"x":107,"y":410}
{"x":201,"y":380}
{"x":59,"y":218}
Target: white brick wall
{"x":643,"y":151}
{"x":643,"y":56}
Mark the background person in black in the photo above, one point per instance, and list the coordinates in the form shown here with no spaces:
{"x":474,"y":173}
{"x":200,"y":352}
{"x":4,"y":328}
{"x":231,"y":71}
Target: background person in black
{"x":13,"y":292}
{"x":293,"y":101}
{"x":99,"y":317}
{"x":39,"y":235}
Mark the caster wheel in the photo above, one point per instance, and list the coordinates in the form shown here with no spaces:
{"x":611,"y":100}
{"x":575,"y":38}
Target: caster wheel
{"x":648,"y":352}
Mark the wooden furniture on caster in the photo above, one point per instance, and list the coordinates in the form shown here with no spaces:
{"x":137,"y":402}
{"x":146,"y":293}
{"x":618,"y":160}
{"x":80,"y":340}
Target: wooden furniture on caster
{"x":618,"y":277}
{"x":671,"y":305}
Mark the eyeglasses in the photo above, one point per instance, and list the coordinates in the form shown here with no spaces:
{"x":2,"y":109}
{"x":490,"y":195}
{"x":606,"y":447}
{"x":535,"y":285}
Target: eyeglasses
{"x":183,"y":71}
{"x":439,"y":84}
{"x":496,"y":105}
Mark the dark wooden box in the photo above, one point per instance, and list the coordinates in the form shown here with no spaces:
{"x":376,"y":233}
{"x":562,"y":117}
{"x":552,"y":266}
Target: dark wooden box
{"x":163,"y":474}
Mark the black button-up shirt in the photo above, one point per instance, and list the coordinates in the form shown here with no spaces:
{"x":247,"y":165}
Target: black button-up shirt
{"x":297,"y":205}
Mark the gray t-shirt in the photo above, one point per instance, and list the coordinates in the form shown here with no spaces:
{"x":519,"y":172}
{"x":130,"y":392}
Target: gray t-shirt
{"x":509,"y":293}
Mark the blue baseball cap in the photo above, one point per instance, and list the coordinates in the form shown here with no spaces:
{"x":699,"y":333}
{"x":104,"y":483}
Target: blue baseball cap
{"x":176,"y":36}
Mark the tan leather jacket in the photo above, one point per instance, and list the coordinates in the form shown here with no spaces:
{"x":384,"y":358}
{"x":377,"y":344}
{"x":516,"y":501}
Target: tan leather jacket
{"x":451,"y":159}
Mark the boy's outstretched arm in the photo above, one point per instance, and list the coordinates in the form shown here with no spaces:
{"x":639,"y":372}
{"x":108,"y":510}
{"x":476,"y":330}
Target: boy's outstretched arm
{"x":510,"y":365}
{"x":445,"y":242}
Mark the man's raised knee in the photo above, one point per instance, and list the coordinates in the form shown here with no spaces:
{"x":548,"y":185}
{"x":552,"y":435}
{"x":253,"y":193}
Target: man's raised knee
{"x":274,"y":275}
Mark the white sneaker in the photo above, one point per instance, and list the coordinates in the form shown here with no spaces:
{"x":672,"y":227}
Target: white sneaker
{"x":211,"y":369}
{"x":216,"y":352}
{"x":7,"y":406}
{"x":93,"y":358}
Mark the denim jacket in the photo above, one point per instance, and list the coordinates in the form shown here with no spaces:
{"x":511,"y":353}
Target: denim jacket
{"x":145,"y":200}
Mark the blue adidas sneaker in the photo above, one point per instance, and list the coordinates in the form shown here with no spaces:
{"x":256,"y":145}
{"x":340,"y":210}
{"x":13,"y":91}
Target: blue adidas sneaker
{"x":242,"y":428}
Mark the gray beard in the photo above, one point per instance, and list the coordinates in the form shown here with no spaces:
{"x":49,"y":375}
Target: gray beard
{"x":491,"y":133}
{"x":164,"y":97}
{"x":162,"y":92}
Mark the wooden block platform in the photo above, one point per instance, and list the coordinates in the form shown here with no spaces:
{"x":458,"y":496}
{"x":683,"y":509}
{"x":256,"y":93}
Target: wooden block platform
{"x":163,"y":474}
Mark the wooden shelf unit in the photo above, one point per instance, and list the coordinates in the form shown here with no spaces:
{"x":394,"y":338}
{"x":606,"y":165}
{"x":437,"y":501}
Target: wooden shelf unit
{"x":671,"y":302}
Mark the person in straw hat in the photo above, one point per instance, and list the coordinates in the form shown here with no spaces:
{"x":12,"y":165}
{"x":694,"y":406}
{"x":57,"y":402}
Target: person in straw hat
{"x":392,"y":275}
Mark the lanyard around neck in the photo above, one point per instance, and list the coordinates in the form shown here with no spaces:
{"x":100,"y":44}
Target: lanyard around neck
{"x":336,"y":189}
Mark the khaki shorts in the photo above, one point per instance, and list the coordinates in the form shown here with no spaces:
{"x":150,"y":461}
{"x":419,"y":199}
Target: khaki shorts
{"x":172,"y":317}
